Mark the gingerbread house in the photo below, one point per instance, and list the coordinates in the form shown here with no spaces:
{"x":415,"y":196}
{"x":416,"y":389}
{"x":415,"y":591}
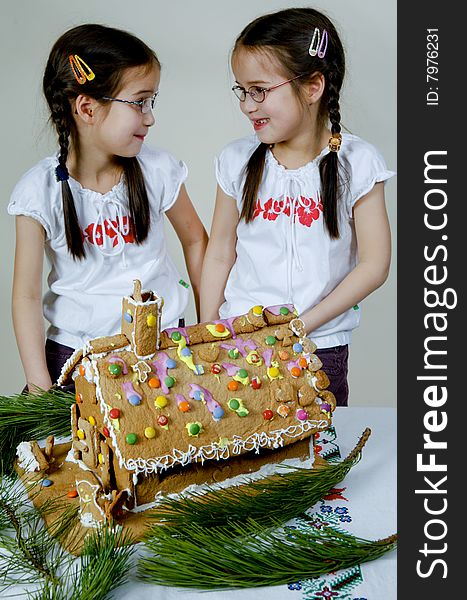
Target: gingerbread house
{"x":163,"y":412}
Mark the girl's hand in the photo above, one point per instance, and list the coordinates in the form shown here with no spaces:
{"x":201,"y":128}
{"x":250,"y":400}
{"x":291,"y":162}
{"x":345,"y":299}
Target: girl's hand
{"x":220,"y":255}
{"x":27,"y":301}
{"x":374,"y":257}
{"x":192,"y":236}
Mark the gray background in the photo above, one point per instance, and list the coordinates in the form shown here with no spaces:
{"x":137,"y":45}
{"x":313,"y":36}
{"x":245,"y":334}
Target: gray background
{"x":195,"y":117}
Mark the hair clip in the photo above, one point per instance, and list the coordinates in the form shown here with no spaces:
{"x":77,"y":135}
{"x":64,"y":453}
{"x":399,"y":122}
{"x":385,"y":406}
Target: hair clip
{"x":61,"y":172}
{"x":335,"y":142}
{"x":319,"y":43}
{"x":81,"y":70}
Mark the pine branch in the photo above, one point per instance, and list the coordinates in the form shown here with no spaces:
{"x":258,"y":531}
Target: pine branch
{"x":104,"y":564}
{"x":243,"y":555}
{"x":32,"y":416}
{"x":261,"y":500}
{"x":30,"y":552}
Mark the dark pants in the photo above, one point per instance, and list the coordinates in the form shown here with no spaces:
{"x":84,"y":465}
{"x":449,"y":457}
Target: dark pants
{"x":335,"y":365}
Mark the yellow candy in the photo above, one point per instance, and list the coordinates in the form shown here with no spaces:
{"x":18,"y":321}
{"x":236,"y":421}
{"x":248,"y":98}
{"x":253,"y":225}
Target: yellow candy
{"x":92,"y":420}
{"x":161,"y":401}
{"x":274,"y":371}
{"x":150,"y":433}
{"x":151,"y":321}
{"x":80,"y":434}
{"x":258,"y":310}
{"x":101,"y":459}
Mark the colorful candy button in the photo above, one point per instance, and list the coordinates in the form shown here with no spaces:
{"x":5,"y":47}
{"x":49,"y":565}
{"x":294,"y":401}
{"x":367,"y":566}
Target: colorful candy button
{"x":303,"y":362}
{"x":219,"y":328}
{"x":72,"y":494}
{"x":114,"y":413}
{"x":170,"y":363}
{"x":242,"y":373}
{"x":80,"y":434}
{"x":169,"y":381}
{"x":185,"y":352}
{"x":284,"y":310}
{"x":234,"y":404}
{"x":295,"y":371}
{"x":128,"y":318}
{"x":46,"y":482}
{"x":232,"y":386}
{"x":134,"y":400}
{"x":297,"y":347}
{"x":194,"y":428}
{"x":233,"y":353}
{"x":82,"y":370}
{"x":160,"y":402}
{"x":131,"y":438}
{"x":78,"y":398}
{"x":216,"y":369}
{"x":154,"y":383}
{"x":92,"y":421}
{"x":115,"y":370}
{"x":268,"y":414}
{"x":100,"y":458}
{"x":176,"y":336}
{"x":283,"y":410}
{"x":151,"y":321}
{"x":184,"y":406}
{"x":274,"y":371}
{"x":257,"y":310}
{"x":150,"y":433}
{"x":106,"y":432}
{"x":301,"y":414}
{"x":284,"y":355}
{"x":256,"y":383}
{"x":162,"y":420}
{"x":271,"y":340}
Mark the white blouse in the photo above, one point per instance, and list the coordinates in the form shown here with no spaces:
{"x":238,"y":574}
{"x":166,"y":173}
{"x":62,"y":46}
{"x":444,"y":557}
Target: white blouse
{"x":84,"y":298}
{"x":285,"y":255}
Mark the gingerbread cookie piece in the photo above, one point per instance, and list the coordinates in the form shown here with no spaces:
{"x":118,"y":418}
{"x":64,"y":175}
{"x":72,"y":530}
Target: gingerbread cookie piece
{"x":282,"y":313}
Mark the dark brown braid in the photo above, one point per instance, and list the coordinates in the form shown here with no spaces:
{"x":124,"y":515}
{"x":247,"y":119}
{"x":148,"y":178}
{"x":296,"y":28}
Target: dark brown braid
{"x":287,"y":35}
{"x":329,"y":164}
{"x":109,"y":53}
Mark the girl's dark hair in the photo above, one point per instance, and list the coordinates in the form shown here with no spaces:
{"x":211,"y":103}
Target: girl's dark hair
{"x":287,"y":35}
{"x":109,"y":53}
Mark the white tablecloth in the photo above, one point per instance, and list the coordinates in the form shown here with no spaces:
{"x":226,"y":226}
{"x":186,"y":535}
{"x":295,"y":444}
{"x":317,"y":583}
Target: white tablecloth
{"x":364,"y":504}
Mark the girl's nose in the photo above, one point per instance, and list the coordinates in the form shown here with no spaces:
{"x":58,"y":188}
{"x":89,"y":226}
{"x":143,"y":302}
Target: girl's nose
{"x":249,"y":105}
{"x":148,"y":119}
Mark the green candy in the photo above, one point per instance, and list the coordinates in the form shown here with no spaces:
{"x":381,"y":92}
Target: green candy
{"x":169,"y":381}
{"x":234,"y":404}
{"x":242,"y":373}
{"x":233,"y":353}
{"x":270,"y":340}
{"x":115,"y":369}
{"x":131,"y":438}
{"x":195,"y":429}
{"x":176,"y":336}
{"x":284,"y":310}
{"x":242,"y":412}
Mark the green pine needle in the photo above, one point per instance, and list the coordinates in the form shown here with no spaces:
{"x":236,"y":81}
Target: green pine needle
{"x":26,"y":417}
{"x":247,"y":555}
{"x":261,"y":500}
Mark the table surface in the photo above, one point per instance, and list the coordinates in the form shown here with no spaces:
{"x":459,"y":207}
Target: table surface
{"x":366,"y":507}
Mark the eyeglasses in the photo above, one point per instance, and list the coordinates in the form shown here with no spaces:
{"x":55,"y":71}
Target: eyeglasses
{"x":256,"y":93}
{"x":145,"y":105}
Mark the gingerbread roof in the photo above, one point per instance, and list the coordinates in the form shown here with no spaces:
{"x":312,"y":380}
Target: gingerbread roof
{"x":210,"y":391}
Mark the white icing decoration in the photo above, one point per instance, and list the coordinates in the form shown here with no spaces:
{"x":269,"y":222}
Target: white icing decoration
{"x":26,"y":458}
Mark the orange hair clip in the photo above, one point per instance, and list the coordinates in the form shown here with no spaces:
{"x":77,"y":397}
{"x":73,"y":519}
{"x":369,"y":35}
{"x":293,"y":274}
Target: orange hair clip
{"x":81,"y":70}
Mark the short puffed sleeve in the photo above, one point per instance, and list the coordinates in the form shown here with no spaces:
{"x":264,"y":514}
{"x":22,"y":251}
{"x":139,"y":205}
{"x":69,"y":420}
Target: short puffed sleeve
{"x":231,"y":163}
{"x":38,"y":195}
{"x":163,"y":175}
{"x":365,"y":167}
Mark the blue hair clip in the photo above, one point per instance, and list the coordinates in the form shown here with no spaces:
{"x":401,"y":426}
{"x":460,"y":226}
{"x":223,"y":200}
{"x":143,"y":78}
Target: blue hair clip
{"x":61,"y":173}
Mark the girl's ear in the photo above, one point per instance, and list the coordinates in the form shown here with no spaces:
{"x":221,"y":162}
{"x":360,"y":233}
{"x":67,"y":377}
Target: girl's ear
{"x":314,"y":87}
{"x":84,"y":108}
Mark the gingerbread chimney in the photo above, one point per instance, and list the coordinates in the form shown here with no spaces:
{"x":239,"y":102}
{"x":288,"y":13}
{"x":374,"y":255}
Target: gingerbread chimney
{"x":141,"y":319}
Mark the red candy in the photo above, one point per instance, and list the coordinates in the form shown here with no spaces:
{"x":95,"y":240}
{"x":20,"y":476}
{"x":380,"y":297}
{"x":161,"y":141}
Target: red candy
{"x":72,"y":494}
{"x":256,"y":383}
{"x":216,"y":369}
{"x":268,"y":414}
{"x":114,"y":413}
{"x":106,"y":432}
{"x":162,"y":420}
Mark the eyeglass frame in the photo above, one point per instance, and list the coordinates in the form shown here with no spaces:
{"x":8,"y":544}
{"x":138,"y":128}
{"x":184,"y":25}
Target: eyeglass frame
{"x":263,"y":90}
{"x":140,"y":103}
